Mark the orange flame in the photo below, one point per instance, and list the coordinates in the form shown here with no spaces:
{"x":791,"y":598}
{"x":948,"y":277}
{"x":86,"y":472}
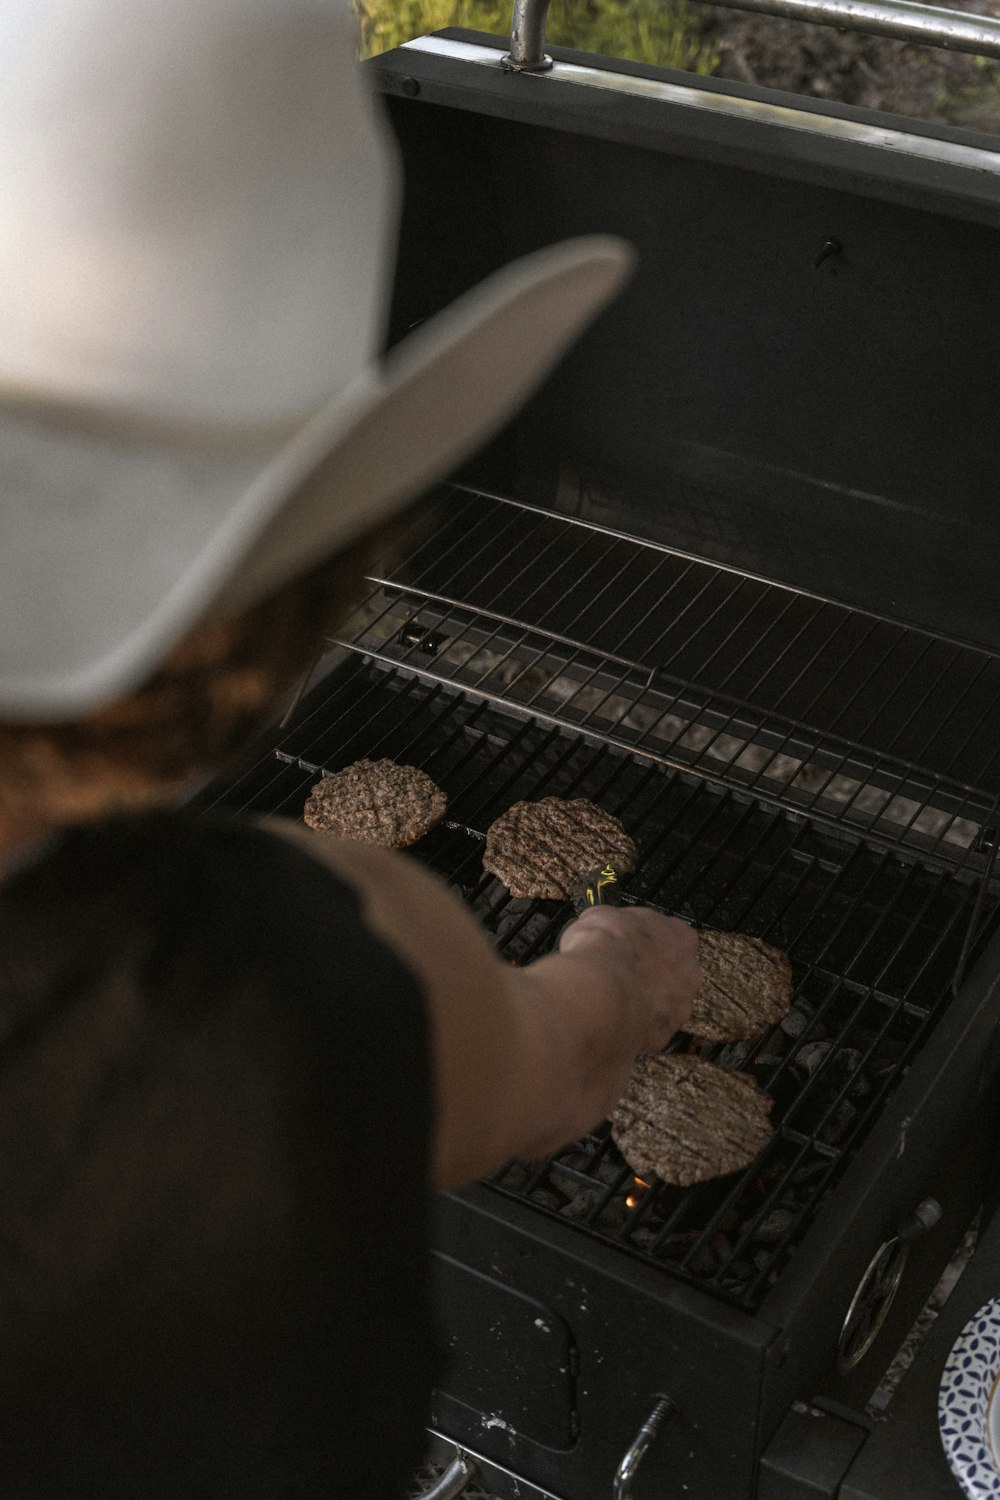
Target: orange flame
{"x":633,"y":1199}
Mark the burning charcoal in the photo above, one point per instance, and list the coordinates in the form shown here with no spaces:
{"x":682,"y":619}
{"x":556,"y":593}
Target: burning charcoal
{"x":643,"y":1237}
{"x":762,"y":1258}
{"x":764,"y":1069}
{"x":849,"y":1060}
{"x":546,"y":1198}
{"x":738,"y":1272}
{"x":722,"y":1248}
{"x":575,"y":1161}
{"x":773,"y":1226}
{"x":614,"y":1214}
{"x":838,"y":1124}
{"x":704,"y":1261}
{"x":812,"y":1056}
{"x":610,"y":1170}
{"x":516,"y":1177}
{"x":810,"y":1171}
{"x":678,"y":1244}
{"x":734,"y":1055}
{"x":582,"y":1204}
{"x":795,"y":1023}
{"x":774,"y":1053}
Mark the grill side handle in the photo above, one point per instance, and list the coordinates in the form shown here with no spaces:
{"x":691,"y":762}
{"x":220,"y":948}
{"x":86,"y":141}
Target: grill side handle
{"x":459,"y":1474}
{"x":527,"y":38}
{"x":931,"y":25}
{"x":626,"y":1471}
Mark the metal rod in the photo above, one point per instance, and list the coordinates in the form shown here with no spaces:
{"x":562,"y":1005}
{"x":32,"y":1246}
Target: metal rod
{"x":790,"y":727}
{"x":928,"y":25}
{"x":527,"y":38}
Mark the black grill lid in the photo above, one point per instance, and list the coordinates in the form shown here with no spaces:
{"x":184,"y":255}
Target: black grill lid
{"x":825,"y":420}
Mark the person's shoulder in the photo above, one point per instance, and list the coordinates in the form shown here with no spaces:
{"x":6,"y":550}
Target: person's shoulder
{"x":178,"y":874}
{"x":204,"y":849}
{"x":238,"y":867}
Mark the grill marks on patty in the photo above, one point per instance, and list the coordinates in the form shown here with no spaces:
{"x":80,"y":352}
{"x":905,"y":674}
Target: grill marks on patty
{"x":747,"y":987}
{"x":539,"y":848}
{"x":684,"y":1120}
{"x":376,"y":802}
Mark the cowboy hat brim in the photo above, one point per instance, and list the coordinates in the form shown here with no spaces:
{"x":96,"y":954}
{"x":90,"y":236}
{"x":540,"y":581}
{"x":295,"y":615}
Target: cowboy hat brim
{"x":119,"y":538}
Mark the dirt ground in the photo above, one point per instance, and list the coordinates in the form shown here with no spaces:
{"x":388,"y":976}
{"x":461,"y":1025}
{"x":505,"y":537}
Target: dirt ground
{"x":927,"y":83}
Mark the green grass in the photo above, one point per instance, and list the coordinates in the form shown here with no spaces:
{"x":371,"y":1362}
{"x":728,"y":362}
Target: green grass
{"x":665,"y":32}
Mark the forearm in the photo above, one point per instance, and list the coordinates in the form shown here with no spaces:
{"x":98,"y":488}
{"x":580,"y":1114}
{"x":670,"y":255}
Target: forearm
{"x":523,"y":1059}
{"x":585,"y":1035}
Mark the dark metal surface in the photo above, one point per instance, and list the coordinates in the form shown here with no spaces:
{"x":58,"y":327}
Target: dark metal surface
{"x":619,"y":637}
{"x":823,"y":422}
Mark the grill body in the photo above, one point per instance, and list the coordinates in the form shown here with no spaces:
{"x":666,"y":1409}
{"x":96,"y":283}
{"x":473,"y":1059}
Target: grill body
{"x":562,"y":1334}
{"x":729,"y":574}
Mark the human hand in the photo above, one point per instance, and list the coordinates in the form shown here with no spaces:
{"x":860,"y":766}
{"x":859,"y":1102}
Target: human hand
{"x":657,"y":957}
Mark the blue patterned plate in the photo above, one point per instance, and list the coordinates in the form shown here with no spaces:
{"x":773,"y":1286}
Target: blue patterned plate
{"x":969,"y":1406}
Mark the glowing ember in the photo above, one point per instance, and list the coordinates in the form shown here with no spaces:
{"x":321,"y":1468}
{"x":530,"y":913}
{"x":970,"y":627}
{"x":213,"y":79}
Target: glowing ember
{"x":633,"y":1199}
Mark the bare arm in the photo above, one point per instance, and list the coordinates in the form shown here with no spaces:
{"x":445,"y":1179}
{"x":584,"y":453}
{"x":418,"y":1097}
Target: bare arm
{"x":524,"y":1059}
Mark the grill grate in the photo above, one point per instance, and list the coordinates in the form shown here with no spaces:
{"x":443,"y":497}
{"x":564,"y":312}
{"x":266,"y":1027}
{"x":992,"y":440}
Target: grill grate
{"x":858,"y":721}
{"x":874,"y":935}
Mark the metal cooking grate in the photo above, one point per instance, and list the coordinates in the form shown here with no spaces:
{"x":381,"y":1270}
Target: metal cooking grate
{"x":858,"y":721}
{"x":874,"y":937}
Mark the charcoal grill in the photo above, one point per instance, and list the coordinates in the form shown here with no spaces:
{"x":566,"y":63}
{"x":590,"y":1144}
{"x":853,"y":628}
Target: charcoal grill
{"x":729,"y":575}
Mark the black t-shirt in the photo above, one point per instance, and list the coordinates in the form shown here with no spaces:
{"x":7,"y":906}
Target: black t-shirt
{"x":215,"y":1111}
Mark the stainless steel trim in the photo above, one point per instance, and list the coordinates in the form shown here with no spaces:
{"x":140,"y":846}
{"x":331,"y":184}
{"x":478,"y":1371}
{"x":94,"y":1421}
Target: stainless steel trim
{"x":626,"y":1471}
{"x":881,"y":137}
{"x":492,"y":1476}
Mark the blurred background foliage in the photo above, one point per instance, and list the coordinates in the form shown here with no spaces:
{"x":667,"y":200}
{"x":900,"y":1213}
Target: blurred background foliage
{"x":666,"y":32}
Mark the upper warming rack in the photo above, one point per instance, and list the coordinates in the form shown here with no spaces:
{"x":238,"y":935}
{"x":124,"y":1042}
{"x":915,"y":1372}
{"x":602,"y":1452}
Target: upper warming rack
{"x":849,"y":719}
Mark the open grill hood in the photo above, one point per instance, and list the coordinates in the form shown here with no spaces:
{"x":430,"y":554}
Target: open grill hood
{"x":823,"y":417}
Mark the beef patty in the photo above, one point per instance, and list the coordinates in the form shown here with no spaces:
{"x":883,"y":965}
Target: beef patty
{"x":684,"y":1120}
{"x":539,"y":848}
{"x":747,"y":987}
{"x":376,"y":802}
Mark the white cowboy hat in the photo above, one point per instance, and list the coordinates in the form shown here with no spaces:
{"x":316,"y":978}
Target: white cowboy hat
{"x":198,"y":205}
